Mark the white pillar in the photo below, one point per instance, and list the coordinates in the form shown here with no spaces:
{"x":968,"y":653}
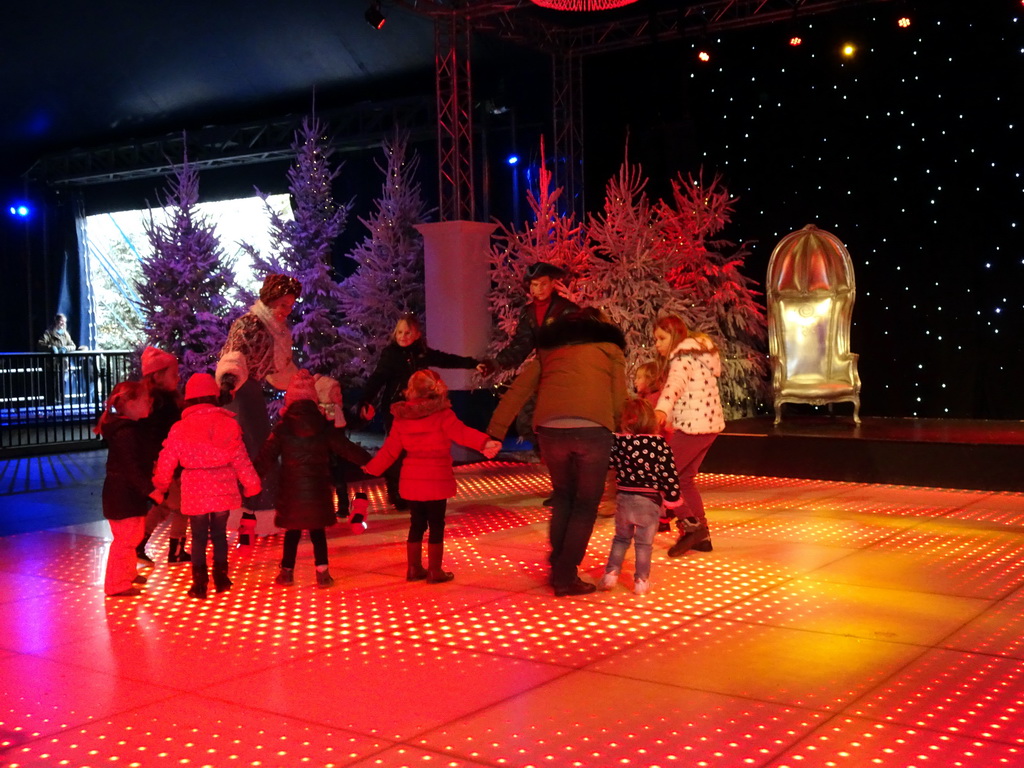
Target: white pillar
{"x":457,"y":279}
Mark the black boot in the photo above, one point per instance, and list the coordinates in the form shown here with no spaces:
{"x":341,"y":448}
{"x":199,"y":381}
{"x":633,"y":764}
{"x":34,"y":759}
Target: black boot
{"x":414,"y":553}
{"x":220,"y":577}
{"x":176,"y":552}
{"x":200,"y":578}
{"x":247,"y":529}
{"x":435,"y":574}
{"x":694,"y":535}
{"x":140,"y":551}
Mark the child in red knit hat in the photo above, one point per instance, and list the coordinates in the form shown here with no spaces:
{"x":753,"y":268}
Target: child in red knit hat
{"x":127,"y":484}
{"x":305,"y":442}
{"x":207,"y":444}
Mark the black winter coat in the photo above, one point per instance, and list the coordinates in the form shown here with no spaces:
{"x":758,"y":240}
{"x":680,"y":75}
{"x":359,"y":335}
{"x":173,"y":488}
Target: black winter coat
{"x":397,"y":364}
{"x":525,"y":339}
{"x":304,"y":440}
{"x":126,"y":488}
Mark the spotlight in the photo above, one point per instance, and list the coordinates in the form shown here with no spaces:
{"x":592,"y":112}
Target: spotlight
{"x":704,"y":55}
{"x":20,"y":210}
{"x":903,"y":21}
{"x":374,"y":16}
{"x":513,"y":159}
{"x":795,"y":41}
{"x":849,"y":49}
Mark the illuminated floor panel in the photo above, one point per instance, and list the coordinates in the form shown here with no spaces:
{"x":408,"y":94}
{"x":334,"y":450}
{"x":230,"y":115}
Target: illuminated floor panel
{"x":387,"y":689}
{"x":833,"y":624}
{"x":874,"y":614}
{"x":588,"y":719}
{"x":961,"y":693}
{"x":938,"y":557}
{"x":1000,"y":630}
{"x":191,"y":730}
{"x":799,"y":668}
{"x":851,"y":742}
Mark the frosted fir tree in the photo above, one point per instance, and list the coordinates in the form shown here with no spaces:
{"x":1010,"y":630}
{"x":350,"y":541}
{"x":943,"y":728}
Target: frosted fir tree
{"x":708,"y":272}
{"x":628,"y":274}
{"x":302,"y":248}
{"x":185,"y":280}
{"x":546,"y":236}
{"x":388,"y":281}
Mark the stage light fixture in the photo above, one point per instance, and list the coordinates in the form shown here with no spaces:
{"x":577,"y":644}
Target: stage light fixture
{"x":20,"y":210}
{"x":374,"y":16}
{"x":903,"y":22}
{"x":513,"y":159}
{"x":704,"y":55}
{"x":795,"y":41}
{"x":849,"y":49}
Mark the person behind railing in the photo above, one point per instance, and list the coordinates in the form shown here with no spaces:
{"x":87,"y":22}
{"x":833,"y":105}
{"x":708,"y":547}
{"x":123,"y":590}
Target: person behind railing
{"x":57,"y":339}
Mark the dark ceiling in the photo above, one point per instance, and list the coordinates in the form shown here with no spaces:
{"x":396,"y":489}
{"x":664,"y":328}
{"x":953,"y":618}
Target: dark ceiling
{"x":82,"y":73}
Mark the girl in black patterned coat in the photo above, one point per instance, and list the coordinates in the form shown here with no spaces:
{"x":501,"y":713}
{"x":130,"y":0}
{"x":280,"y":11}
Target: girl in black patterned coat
{"x":645,"y":476}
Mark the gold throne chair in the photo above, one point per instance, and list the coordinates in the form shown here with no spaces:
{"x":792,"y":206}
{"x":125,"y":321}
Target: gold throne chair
{"x":810,"y":303}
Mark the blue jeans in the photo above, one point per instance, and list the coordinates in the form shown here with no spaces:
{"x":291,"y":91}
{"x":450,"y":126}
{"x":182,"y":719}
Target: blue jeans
{"x":213,"y":525}
{"x":577,"y":460}
{"x":636,"y":520}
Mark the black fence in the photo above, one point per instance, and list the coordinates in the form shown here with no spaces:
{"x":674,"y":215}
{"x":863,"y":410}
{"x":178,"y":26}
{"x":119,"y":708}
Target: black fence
{"x":51,"y":402}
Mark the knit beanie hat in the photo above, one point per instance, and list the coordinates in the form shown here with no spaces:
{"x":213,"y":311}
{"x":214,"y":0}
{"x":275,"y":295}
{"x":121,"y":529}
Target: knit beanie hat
{"x":300,"y":388}
{"x":276,"y":286}
{"x":154,"y":360}
{"x":232,"y":363}
{"x":328,"y":394}
{"x":201,"y":385}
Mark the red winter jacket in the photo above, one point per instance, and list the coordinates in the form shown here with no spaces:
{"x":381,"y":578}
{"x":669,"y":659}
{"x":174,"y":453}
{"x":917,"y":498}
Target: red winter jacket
{"x":207,"y":443}
{"x":425,"y":430}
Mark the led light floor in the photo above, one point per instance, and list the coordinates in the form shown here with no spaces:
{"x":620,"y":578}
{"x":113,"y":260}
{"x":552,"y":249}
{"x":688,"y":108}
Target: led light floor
{"x":834,"y":624}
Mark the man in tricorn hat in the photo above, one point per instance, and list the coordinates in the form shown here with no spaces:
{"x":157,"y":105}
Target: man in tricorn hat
{"x":545,"y":307}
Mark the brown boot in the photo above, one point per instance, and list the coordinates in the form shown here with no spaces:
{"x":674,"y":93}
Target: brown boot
{"x":414,"y":554}
{"x":435,"y":574}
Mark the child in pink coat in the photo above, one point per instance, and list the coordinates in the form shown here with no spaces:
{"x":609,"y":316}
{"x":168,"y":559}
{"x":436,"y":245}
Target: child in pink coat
{"x":425,"y":426}
{"x":207,"y":444}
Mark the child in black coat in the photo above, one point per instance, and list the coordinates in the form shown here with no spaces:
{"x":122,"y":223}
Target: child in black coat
{"x":304,"y":440}
{"x":127,"y":485}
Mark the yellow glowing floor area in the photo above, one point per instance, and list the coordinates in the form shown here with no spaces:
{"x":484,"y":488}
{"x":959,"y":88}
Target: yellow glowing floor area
{"x":834,"y":624}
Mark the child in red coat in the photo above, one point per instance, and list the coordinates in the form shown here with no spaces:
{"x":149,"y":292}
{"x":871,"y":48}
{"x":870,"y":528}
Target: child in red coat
{"x":127,"y":485}
{"x":425,"y":427}
{"x":207,"y":444}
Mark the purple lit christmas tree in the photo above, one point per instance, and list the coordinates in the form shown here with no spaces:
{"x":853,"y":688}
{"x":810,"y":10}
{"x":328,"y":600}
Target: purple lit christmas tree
{"x":302,"y":248}
{"x":389,"y":279}
{"x":185,"y":280}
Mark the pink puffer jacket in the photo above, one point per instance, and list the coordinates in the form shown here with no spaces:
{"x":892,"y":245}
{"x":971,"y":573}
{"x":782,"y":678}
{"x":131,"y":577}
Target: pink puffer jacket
{"x":207,"y":443}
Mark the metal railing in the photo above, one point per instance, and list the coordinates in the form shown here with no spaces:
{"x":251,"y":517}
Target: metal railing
{"x":50,"y":402}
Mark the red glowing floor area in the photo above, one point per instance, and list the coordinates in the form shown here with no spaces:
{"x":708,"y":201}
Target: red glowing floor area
{"x":833,"y":624}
